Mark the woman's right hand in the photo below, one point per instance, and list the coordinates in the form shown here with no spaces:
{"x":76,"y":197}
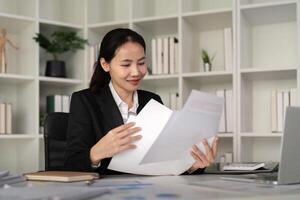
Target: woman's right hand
{"x":115,"y":141}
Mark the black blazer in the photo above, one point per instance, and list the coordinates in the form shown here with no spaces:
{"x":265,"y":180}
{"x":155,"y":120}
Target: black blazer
{"x":92,"y":115}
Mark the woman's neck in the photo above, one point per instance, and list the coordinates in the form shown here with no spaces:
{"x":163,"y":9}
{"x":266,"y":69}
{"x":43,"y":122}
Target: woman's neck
{"x":126,"y":96}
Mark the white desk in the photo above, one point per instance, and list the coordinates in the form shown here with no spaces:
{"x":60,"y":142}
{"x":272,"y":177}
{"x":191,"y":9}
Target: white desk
{"x":193,"y":187}
{"x":197,"y":187}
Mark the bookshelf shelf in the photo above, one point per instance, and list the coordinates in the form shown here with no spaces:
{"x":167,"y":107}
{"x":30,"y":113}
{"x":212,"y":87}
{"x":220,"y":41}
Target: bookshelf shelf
{"x":61,"y":24}
{"x":206,"y":12}
{"x":15,"y":78}
{"x":264,"y":135}
{"x":18,"y":136}
{"x":109,"y":24}
{"x":59,"y":81}
{"x":225,"y":135}
{"x":17,"y":17}
{"x":206,"y":74}
{"x":154,"y":19}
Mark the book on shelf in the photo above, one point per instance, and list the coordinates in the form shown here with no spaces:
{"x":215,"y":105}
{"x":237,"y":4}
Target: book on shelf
{"x":159,"y":56}
{"x":228,"y":51}
{"x":226,"y":121}
{"x":61,"y":176}
{"x":164,"y":52}
{"x":166,"y":56}
{"x":222,"y":126}
{"x":93,"y":56}
{"x":174,"y":97}
{"x":229,"y":110}
{"x":154,"y":56}
{"x":280,"y":100}
{"x":5,"y":118}
{"x":58,"y":103}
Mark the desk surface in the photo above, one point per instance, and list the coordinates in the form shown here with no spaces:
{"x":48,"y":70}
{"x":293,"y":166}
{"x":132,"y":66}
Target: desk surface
{"x":126,"y":187}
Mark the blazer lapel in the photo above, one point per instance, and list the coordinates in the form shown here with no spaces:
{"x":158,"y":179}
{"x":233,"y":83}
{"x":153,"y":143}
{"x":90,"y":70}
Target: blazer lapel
{"x":111,"y":113}
{"x":142,"y":101}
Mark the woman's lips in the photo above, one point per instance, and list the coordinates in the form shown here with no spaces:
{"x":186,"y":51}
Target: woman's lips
{"x":134,"y":82}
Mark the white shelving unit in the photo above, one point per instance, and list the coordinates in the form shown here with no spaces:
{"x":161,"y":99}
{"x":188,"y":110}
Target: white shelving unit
{"x":265,"y":57}
{"x":24,"y":85}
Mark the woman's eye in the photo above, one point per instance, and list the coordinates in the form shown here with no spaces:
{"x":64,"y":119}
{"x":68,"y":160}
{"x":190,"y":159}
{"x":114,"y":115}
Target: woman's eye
{"x":125,"y":65}
{"x":142,"y":63}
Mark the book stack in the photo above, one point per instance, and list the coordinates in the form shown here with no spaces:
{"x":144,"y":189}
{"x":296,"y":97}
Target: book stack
{"x":93,"y":56}
{"x":58,"y":103}
{"x":164,"y":55}
{"x":5,"y":118}
{"x":280,"y":99}
{"x":226,"y":122}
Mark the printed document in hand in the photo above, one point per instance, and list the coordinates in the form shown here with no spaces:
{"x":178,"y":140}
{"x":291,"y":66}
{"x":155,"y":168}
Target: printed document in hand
{"x":169,"y":135}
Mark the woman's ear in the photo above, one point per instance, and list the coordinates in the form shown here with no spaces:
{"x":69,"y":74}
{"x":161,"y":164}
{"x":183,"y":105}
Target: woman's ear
{"x":104,"y":65}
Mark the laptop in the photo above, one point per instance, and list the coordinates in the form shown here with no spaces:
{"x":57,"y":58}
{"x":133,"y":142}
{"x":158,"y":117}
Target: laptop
{"x":289,"y":164}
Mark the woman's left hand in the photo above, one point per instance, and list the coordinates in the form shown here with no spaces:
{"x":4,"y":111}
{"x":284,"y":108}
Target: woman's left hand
{"x":204,"y":160}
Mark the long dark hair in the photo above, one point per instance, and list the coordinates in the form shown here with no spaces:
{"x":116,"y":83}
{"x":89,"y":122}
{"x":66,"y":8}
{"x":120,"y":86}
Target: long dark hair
{"x":110,"y":43}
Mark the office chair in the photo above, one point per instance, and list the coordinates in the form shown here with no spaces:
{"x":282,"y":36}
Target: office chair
{"x":55,"y":132}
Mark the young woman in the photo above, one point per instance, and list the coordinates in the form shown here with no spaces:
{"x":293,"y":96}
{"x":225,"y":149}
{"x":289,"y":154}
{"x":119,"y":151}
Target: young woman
{"x":97,"y":127}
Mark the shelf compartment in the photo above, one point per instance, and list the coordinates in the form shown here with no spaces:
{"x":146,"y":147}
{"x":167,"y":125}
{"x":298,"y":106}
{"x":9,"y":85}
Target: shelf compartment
{"x":256,"y":90}
{"x":96,"y":32}
{"x":225,"y":146}
{"x":21,"y":153}
{"x":268,"y":36}
{"x":151,"y":29}
{"x":23,"y":116}
{"x":163,"y":86}
{"x":19,"y":7}
{"x":101,"y":11}
{"x":74,"y":61}
{"x":205,"y":5}
{"x":258,"y":149}
{"x":145,"y":8}
{"x":19,"y":31}
{"x":59,"y":10}
{"x":206,"y":84}
{"x":204,"y":31}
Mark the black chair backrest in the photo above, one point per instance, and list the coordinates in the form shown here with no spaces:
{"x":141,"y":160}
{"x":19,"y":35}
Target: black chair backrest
{"x":55,"y":131}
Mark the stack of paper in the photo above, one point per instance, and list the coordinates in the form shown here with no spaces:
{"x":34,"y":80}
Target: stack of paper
{"x":168,"y":136}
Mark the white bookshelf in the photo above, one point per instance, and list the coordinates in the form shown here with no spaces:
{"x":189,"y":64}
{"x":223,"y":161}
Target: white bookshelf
{"x":265,"y":57}
{"x":24,"y":85}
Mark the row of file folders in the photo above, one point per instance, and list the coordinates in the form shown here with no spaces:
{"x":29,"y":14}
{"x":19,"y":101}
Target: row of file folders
{"x":5,"y":118}
{"x":58,"y":103}
{"x":280,"y":100}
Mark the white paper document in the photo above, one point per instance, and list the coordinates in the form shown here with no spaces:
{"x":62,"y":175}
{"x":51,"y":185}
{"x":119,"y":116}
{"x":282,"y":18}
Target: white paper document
{"x":168,"y":136}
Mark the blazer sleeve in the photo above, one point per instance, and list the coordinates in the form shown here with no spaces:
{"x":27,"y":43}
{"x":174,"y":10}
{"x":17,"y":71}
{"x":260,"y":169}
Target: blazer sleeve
{"x":80,"y":137}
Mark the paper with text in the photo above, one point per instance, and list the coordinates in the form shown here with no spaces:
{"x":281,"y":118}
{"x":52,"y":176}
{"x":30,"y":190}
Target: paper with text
{"x":199,"y":119}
